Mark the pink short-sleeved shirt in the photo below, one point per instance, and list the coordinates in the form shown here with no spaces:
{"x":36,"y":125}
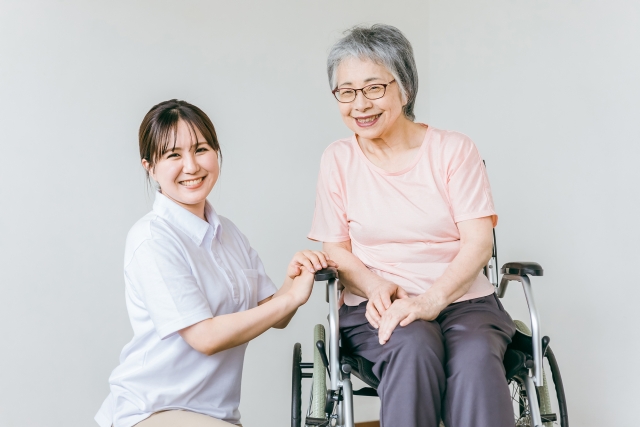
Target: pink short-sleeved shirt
{"x":402,"y":225}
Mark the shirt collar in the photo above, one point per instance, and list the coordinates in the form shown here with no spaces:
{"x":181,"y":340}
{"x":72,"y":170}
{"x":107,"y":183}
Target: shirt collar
{"x":185,"y":221}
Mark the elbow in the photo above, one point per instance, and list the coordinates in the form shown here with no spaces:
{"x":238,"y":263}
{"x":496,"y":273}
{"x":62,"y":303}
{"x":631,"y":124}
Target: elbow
{"x":284,"y":322}
{"x":207,"y":347}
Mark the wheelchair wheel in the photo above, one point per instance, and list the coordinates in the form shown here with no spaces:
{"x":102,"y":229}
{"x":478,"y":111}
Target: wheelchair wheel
{"x":553,"y":411}
{"x":296,"y":387}
{"x":319,"y":376}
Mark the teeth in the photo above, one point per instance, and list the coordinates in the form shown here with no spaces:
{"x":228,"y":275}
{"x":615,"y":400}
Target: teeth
{"x":368,"y":119}
{"x":191,"y":182}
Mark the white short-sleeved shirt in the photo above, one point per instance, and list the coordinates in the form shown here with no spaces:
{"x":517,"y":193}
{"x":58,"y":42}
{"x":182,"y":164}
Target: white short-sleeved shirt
{"x":180,"y":270}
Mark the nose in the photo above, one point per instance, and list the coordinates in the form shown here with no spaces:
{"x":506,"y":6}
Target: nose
{"x":190,"y":164}
{"x":361,"y":103}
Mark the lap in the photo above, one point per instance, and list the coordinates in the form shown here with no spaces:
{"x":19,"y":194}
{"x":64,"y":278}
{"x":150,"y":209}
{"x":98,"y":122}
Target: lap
{"x":465,"y":329}
{"x":181,"y":418}
{"x":360,"y":338}
{"x":476,"y":327}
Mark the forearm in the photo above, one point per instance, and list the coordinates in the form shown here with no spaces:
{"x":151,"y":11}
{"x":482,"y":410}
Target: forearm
{"x":230,"y":330}
{"x":475,"y":252}
{"x":288,"y":282}
{"x":354,"y":275}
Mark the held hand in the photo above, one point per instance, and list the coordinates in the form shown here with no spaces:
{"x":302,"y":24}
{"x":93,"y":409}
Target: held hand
{"x":301,"y":287}
{"x":310,"y":261}
{"x":380,"y":299}
{"x":404,"y":311}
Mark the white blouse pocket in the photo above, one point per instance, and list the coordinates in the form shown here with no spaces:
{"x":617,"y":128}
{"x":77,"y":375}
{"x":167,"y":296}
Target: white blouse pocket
{"x":251,"y":286}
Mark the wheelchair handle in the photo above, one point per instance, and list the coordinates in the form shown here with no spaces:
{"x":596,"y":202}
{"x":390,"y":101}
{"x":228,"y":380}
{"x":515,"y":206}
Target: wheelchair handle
{"x":329,"y":273}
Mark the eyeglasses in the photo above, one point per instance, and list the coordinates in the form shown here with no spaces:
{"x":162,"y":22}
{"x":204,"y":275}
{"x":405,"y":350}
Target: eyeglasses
{"x":374,"y":91}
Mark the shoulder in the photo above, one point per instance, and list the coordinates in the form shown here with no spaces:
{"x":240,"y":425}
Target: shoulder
{"x":148,"y":228}
{"x":340,"y":151}
{"x":450,"y":139}
{"x":449,"y":146}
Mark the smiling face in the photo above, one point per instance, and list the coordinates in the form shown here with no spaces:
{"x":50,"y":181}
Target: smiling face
{"x":187,"y":172}
{"x":370,"y":119}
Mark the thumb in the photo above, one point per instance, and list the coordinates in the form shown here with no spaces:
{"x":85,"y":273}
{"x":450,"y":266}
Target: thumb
{"x":401,"y":293}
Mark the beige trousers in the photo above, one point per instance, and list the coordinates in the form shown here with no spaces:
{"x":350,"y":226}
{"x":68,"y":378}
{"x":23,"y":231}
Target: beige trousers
{"x":181,"y":419}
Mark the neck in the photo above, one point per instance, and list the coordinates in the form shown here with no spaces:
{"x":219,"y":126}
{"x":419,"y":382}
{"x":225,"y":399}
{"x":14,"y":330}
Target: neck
{"x":196,"y":209}
{"x":402,"y":135}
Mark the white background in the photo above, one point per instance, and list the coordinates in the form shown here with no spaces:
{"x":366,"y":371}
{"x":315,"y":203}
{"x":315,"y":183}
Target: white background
{"x":549,"y":91}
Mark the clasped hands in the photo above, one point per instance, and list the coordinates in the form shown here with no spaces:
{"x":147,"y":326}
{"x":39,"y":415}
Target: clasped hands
{"x":389,"y":306}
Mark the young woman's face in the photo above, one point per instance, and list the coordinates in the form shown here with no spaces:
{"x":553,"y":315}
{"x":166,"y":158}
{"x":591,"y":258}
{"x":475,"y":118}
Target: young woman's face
{"x":366,"y":117}
{"x":187,"y":173}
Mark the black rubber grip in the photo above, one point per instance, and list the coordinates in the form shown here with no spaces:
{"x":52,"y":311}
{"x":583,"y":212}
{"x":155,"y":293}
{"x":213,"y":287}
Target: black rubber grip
{"x":326,"y":274}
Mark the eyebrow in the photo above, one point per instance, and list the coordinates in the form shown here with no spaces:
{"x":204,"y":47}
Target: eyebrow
{"x":192,"y":145}
{"x":370,"y":79}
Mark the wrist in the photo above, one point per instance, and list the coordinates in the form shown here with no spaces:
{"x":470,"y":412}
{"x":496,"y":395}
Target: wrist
{"x":435,"y":299}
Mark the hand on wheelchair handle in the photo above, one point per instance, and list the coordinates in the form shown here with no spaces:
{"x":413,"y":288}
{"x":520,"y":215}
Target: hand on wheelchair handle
{"x":301,"y":287}
{"x":310,"y":261}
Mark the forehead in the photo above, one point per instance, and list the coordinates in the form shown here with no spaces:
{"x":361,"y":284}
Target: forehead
{"x":186,"y":135}
{"x":360,"y":71}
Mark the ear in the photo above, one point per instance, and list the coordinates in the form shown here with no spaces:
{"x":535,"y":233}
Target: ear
{"x":147,"y":166}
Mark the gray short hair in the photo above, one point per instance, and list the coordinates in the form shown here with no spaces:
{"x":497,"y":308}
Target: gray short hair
{"x":384,"y":45}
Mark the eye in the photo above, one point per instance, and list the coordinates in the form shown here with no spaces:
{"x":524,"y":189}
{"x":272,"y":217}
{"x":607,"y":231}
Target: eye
{"x":346,"y":92}
{"x":202,"y":149}
{"x":173,"y":155}
{"x":375,"y":88}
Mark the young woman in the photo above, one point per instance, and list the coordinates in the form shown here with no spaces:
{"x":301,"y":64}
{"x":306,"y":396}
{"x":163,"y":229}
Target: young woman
{"x":196,"y":291}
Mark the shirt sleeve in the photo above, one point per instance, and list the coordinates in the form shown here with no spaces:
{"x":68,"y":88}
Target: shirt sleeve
{"x":330,"y":216}
{"x":162,"y":276}
{"x":467,"y":181}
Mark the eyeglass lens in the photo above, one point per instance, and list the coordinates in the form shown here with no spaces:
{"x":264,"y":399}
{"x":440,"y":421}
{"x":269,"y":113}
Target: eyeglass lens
{"x":370,"y":92}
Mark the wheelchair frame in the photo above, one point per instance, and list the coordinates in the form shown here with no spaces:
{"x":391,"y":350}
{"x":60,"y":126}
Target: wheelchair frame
{"x":340,"y":396}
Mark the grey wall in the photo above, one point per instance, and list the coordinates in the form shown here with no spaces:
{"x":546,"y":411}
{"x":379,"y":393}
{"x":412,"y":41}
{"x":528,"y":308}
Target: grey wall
{"x":546,"y":89}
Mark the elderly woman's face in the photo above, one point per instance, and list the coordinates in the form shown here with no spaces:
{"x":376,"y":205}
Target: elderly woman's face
{"x":369,"y":118}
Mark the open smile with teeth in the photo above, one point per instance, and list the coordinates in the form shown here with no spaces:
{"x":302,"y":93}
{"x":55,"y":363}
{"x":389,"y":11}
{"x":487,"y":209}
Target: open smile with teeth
{"x":367,"y":119}
{"x":191,"y":182}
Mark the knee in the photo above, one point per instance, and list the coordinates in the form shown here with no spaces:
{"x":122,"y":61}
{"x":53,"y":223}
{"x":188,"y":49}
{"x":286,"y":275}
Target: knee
{"x":420,"y":340}
{"x":475,"y":353}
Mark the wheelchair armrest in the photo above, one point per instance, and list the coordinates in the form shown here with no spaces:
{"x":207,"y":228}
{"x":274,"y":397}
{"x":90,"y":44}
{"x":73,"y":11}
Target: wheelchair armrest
{"x":522,"y":268}
{"x":326,"y":274}
{"x":520,"y":271}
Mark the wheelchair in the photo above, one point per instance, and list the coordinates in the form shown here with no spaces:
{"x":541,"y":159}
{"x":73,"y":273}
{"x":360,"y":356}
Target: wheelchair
{"x":537,"y":401}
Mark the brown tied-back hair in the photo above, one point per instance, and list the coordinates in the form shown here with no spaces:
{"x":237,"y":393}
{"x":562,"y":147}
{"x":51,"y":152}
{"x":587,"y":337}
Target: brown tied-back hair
{"x":158,"y":131}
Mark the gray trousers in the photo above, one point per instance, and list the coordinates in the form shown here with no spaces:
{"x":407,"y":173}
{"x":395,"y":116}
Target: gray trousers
{"x":449,"y":369}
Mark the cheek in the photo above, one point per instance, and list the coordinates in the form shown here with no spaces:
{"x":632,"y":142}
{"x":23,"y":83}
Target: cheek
{"x":165,"y":173}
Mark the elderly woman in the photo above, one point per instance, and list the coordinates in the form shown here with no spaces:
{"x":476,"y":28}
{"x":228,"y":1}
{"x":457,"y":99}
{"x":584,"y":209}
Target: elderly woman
{"x":405,"y":209}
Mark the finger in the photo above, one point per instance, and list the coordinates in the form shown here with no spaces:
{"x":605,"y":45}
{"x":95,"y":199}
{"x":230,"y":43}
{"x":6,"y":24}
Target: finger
{"x":322,"y":258}
{"x":313,"y":257}
{"x":379,"y":305}
{"x":387,"y":326}
{"x":371,"y":321}
{"x":386,"y":300}
{"x":401,"y":293}
{"x":304,"y":261}
{"x":332,"y":263}
{"x":373,"y":316}
{"x":407,"y":320}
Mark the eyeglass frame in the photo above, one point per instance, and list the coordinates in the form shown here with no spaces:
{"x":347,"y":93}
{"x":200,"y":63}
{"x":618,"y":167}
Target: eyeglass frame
{"x":384,"y":85}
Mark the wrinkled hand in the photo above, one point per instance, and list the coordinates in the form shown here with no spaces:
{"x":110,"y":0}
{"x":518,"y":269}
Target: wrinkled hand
{"x":404,"y":311}
{"x":311,"y":261}
{"x":380,"y":299}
